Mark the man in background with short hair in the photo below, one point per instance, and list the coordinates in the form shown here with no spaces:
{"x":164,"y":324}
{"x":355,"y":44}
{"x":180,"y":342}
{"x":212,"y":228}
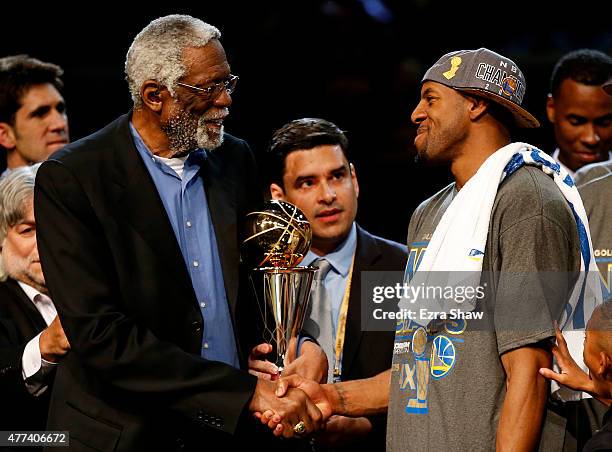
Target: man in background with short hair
{"x":33,"y":121}
{"x":579,"y":110}
{"x":595,"y":185}
{"x":594,"y":182}
{"x":309,"y":167}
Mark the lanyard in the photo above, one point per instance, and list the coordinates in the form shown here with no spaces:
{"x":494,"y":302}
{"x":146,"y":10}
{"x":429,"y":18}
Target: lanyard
{"x":341,"y":327}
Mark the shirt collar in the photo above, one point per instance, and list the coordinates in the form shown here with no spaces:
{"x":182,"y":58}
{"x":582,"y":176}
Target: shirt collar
{"x":30,"y":291}
{"x":342,"y":257}
{"x":193,"y":160}
{"x":555,"y":155}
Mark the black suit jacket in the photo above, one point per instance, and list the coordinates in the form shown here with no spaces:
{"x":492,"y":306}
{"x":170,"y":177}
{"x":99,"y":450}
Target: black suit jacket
{"x":367,"y":353}
{"x":20,"y":321}
{"x":135,"y":379}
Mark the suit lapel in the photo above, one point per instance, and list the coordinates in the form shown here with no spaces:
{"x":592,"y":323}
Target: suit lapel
{"x":367,"y":252}
{"x":221,"y":199}
{"x":140,"y":204}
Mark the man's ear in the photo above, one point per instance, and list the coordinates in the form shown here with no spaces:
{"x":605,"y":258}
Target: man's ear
{"x":477,"y":107}
{"x":605,"y":361}
{"x":550,"y":108}
{"x":151,"y":95}
{"x":7,"y":136}
{"x":277,"y":192}
{"x":354,"y":178}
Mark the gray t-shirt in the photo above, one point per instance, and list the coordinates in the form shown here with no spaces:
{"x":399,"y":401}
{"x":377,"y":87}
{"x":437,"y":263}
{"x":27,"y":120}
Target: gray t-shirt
{"x":597,"y":198}
{"x":447,"y":381}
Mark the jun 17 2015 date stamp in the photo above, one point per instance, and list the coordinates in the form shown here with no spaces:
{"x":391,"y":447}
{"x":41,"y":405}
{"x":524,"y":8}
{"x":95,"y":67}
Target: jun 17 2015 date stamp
{"x":15,"y":439}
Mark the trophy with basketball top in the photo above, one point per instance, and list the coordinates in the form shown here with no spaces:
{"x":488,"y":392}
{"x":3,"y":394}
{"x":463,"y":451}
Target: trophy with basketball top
{"x":277,"y":238}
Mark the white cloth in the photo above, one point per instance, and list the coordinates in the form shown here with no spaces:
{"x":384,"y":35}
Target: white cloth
{"x":176,"y":163}
{"x":458,"y":243}
{"x":33,"y":367}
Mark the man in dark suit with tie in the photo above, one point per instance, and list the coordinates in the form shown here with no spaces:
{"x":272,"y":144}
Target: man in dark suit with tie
{"x":309,"y":168}
{"x":139,"y":243}
{"x":31,"y":337}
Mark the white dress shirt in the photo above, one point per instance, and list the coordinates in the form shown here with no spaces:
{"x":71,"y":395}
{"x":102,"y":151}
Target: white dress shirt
{"x":34,"y":367}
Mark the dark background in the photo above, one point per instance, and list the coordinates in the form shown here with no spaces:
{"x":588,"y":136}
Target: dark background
{"x":356,"y":63}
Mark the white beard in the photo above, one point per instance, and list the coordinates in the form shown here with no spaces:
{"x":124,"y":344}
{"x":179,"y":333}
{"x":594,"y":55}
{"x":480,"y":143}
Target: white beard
{"x":207,"y":139}
{"x":18,"y":268}
{"x":187,"y":132}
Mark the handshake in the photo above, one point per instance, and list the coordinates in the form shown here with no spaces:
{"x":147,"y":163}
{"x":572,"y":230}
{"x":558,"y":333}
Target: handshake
{"x":291,"y":405}
{"x":298,"y":403}
{"x":295,"y":404}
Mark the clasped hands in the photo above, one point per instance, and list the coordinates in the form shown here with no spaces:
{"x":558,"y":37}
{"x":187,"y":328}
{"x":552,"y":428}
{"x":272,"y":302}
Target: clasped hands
{"x":296,"y":397}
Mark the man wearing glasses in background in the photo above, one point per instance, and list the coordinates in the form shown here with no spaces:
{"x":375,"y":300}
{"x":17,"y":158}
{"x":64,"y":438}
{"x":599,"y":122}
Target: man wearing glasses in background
{"x":139,"y":244}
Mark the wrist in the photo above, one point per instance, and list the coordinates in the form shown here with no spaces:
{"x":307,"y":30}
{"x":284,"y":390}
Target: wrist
{"x":45,"y":352}
{"x":588,"y":386}
{"x":50,"y":357}
{"x":334,"y":398}
{"x":260,"y":386}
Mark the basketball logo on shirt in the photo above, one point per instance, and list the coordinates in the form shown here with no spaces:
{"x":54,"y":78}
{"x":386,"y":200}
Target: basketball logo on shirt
{"x":442,"y":357}
{"x":418,"y":367}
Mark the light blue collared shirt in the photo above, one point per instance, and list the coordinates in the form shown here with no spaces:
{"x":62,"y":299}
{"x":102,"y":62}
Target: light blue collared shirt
{"x":184,"y":200}
{"x":336,"y":279}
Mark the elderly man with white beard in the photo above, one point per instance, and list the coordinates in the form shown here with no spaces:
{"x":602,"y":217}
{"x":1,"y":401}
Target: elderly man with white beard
{"x":139,"y":241}
{"x":32,"y":341}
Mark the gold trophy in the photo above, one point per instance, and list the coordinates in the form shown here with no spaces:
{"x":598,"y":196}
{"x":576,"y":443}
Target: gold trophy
{"x":277,"y":239}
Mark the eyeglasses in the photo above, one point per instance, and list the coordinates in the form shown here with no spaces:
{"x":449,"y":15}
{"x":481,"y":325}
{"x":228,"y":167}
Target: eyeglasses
{"x":213,"y":90}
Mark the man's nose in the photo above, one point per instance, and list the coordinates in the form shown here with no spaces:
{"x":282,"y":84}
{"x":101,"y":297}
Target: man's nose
{"x":328,"y":194}
{"x":223,"y":100}
{"x":418,"y":115}
{"x":589,"y":136}
{"x":58,"y":121}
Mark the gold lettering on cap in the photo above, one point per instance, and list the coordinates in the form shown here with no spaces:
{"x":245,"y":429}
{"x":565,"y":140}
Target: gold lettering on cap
{"x":455,"y":63}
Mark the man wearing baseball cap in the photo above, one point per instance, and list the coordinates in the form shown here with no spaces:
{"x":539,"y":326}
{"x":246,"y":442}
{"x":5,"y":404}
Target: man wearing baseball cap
{"x":458,"y":382}
{"x":509,"y":214}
